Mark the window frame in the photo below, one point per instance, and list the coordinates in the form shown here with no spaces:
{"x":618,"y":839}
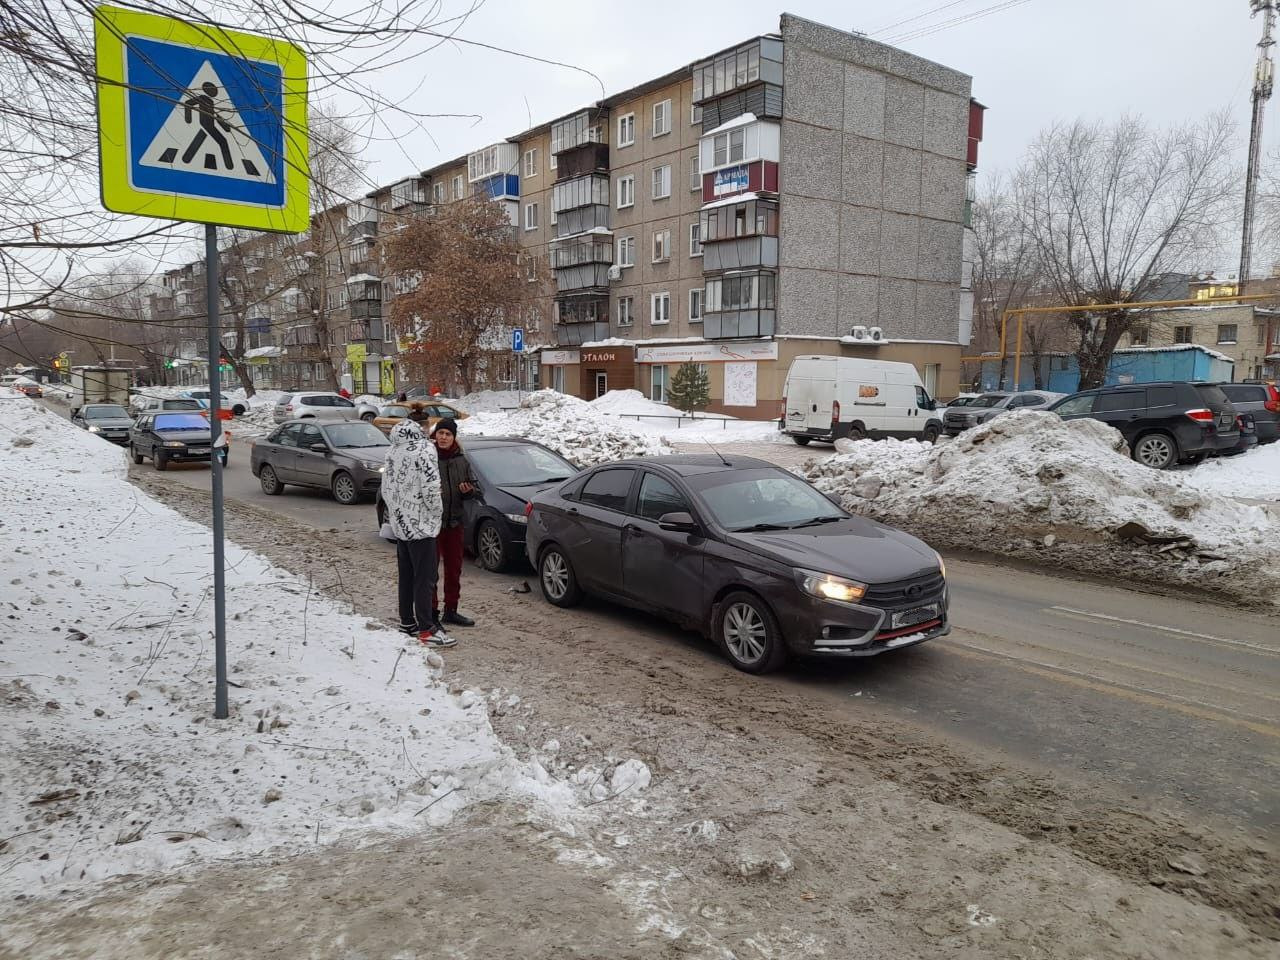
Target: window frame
{"x":627,"y":317}
{"x":529,"y":208}
{"x":695,"y":239}
{"x":635,"y":505}
{"x":630,"y":120}
{"x":665,"y":255}
{"x":1190,"y":333}
{"x":529,"y":164}
{"x":627,"y":244}
{"x":665,"y":107}
{"x":660,"y":179}
{"x":457,"y":187}
{"x":698,"y":291}
{"x":1235,"y":333}
{"x":664,"y":297}
{"x":629,"y":181}
{"x":659,"y":381}
{"x":627,"y":498}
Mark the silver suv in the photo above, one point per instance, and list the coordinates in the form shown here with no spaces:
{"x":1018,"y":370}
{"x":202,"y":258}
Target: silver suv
{"x":981,"y":409}
{"x":313,"y":404}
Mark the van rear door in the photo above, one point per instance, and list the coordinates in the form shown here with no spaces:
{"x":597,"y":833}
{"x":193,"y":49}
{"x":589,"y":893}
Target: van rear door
{"x":810,"y":390}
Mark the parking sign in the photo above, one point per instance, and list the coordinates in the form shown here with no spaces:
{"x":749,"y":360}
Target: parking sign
{"x":199,"y":123}
{"x":517,"y":340}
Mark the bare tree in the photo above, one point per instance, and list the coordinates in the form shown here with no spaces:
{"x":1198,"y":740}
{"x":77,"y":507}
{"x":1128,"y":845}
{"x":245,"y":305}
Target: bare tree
{"x":1109,"y":208}
{"x":1004,"y":271}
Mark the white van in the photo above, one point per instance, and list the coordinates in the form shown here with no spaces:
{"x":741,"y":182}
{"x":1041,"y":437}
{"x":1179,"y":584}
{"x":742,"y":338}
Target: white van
{"x":827,"y":398}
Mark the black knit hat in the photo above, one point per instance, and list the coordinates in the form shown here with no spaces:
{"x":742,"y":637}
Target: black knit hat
{"x":448,"y":423}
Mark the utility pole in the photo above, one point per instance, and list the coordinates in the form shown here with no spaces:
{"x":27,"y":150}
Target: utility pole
{"x":1262,"y":80}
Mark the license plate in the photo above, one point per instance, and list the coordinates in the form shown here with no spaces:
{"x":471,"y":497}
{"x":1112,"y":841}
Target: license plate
{"x":909,"y":618}
{"x":199,"y":451}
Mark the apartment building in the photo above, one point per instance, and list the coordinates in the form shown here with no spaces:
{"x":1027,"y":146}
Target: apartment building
{"x":1247,"y":334}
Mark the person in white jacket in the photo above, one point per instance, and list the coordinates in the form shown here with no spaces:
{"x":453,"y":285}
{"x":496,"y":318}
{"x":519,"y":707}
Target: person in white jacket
{"x":411,"y":492}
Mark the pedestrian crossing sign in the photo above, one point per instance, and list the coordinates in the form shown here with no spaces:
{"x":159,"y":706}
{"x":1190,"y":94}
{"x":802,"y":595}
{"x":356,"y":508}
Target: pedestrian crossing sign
{"x":200,"y":123}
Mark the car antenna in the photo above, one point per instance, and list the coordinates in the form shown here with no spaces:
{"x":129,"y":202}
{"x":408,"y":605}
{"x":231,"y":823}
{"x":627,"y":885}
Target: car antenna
{"x":718,"y":454}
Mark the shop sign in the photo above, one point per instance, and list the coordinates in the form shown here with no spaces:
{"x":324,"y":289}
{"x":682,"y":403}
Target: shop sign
{"x":731,"y":180}
{"x":708,"y":352}
{"x":559,"y":358}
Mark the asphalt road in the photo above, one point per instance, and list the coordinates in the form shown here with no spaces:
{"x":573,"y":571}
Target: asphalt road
{"x":1166,"y":698}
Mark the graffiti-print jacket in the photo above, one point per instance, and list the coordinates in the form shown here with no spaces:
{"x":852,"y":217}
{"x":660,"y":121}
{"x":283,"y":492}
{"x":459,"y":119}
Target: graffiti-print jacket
{"x":411,"y":484}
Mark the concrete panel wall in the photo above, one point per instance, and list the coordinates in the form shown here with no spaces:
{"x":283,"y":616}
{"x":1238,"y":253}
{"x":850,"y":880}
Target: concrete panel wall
{"x":872,"y":187}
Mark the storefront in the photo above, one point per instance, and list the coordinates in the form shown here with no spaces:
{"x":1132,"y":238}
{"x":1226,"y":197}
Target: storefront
{"x":736,"y":369}
{"x":561,"y":371}
{"x":606,"y":368}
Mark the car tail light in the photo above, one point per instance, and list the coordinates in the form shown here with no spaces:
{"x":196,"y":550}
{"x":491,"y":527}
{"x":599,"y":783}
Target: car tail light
{"x":782,"y":410}
{"x":1201,"y":416}
{"x":1272,"y":405}
{"x":288,"y":408}
{"x":528,"y":509}
{"x":835,"y":411}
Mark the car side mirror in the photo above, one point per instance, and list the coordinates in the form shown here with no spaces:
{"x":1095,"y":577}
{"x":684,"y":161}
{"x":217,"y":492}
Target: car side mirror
{"x":319,"y":448}
{"x":677,"y":523}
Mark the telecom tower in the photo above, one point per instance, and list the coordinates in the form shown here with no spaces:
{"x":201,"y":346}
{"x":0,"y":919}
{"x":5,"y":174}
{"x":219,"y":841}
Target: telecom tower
{"x":1262,"y":80}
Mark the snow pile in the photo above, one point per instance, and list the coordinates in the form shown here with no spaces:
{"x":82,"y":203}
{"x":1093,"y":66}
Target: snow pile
{"x":56,"y":391}
{"x":634,"y":403}
{"x":489,"y":401}
{"x":110,"y":762}
{"x":368,"y":398}
{"x":571,"y":427}
{"x":1031,"y":484}
{"x":139,"y":398}
{"x":1254,"y":475}
{"x":260,"y":398}
{"x":258,"y":422}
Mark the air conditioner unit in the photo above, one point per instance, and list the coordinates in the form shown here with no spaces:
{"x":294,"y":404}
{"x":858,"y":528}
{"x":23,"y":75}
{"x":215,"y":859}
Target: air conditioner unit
{"x":615,"y":272}
{"x":876,"y":335}
{"x":859,"y":334}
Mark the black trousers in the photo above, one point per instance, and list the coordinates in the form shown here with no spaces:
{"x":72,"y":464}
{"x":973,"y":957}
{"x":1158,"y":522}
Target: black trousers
{"x":416,"y":565}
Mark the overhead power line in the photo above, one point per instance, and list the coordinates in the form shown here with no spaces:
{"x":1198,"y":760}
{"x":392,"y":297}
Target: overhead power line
{"x":930,"y":29}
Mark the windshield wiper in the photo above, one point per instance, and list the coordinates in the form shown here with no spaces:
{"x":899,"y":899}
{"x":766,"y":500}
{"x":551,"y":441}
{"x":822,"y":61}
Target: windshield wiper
{"x":756,"y":527}
{"x":816,"y":520}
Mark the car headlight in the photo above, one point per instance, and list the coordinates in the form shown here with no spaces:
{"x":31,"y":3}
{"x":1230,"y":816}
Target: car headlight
{"x":93,"y":429}
{"x":371,"y":465}
{"x":516,"y":517}
{"x":174,"y":443}
{"x":942,"y":564}
{"x":826,"y":586}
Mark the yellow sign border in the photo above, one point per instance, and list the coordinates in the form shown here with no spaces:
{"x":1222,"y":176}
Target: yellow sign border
{"x":112,"y":26}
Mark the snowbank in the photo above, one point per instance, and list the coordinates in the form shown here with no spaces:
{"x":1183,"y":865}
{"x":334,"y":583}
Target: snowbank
{"x":1254,"y":475}
{"x":109,"y":761}
{"x":490,"y":401}
{"x":571,"y":427}
{"x":634,"y":403}
{"x":1031,"y":484}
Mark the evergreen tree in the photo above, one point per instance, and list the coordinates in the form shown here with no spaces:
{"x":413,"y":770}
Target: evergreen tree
{"x":690,"y":388}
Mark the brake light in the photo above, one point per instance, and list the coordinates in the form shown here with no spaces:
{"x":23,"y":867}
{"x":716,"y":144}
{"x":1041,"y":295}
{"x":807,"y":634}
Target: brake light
{"x":835,"y":411}
{"x":528,"y":509}
{"x":1201,"y":416}
{"x":782,"y":410}
{"x":288,"y":407}
{"x":1272,"y":405}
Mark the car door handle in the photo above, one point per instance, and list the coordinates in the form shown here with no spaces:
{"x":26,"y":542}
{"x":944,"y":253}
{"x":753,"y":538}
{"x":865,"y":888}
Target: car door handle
{"x":572,"y":511}
{"x":632,"y":529}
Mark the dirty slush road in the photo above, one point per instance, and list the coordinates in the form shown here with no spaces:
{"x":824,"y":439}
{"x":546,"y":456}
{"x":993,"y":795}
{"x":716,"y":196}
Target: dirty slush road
{"x":775,"y":826}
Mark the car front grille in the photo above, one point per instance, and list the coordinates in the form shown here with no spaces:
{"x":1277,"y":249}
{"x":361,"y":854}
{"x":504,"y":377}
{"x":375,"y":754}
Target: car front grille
{"x":906,"y":593}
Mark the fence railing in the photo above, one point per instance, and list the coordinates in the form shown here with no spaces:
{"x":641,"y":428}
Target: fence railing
{"x":678,"y":418}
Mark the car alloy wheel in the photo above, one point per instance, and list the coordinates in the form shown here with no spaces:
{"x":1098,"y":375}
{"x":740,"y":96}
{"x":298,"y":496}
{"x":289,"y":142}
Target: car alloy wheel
{"x":271,"y":484}
{"x":1154,"y":450}
{"x":748,"y":633}
{"x":344,"y":488}
{"x":744,"y":632}
{"x":559,"y":585}
{"x":490,"y":548}
{"x":368,"y":417}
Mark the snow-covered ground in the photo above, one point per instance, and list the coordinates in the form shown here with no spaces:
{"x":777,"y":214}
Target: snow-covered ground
{"x":1254,"y":475}
{"x":110,"y":762}
{"x":572,"y":427}
{"x":1029,"y":483}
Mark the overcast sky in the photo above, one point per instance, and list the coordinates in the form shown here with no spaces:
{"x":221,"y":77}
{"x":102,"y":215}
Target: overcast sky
{"x":1032,"y":63}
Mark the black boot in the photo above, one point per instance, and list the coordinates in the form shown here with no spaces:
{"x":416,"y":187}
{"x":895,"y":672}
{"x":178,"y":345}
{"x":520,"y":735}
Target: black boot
{"x":457,"y":619}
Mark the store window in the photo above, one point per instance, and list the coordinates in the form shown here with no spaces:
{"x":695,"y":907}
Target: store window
{"x":658,"y":384}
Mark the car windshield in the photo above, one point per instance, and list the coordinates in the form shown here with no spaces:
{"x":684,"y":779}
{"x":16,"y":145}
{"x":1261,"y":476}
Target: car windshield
{"x":180,"y":421}
{"x":348,"y":436}
{"x":763,"y":500}
{"x":104,"y":412}
{"x":520,"y":464}
{"x":987,"y":400}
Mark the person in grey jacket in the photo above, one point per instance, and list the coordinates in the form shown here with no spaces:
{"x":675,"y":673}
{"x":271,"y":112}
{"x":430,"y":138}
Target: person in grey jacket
{"x":411,"y":492}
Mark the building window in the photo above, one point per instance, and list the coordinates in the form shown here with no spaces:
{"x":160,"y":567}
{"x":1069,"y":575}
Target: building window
{"x":695,"y":239}
{"x":662,"y":118}
{"x":437,"y":193}
{"x":658,"y":384}
{"x":659,"y":308}
{"x":457,"y":187}
{"x":729,"y":147}
{"x":695,"y":174}
{"x":1182,"y":334}
{"x":661,"y":245}
{"x":557,"y":379}
{"x":1139,"y":335}
{"x":662,"y":182}
{"x":1226,"y":333}
{"x":751,"y":291}
{"x":626,"y":251}
{"x":695,"y":114}
{"x":695,"y":306}
{"x":531,"y":216}
{"x":626,"y":311}
{"x":551,"y":161}
{"x":626,"y":192}
{"x":626,"y":130}
{"x":531,"y":162}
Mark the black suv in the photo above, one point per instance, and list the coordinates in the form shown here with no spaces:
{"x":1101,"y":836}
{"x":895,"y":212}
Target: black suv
{"x":1164,"y":423}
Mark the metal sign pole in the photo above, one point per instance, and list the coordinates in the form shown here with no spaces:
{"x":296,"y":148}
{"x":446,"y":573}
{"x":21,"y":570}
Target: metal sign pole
{"x":220,"y":711}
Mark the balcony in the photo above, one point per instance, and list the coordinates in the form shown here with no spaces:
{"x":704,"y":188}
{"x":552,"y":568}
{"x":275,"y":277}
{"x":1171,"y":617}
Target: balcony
{"x":740,"y":254}
{"x":580,"y":251}
{"x":366,"y":309}
{"x":502,"y":186}
{"x":590,"y":157}
{"x":581,"y":319}
{"x":576,"y":334}
{"x":408,"y":193}
{"x":362,"y":286}
{"x":493,"y":161}
{"x":745,"y":80}
{"x":370,"y":333}
{"x":739,"y":305}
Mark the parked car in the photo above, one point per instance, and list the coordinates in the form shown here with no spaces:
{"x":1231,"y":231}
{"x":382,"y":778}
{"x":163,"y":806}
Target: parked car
{"x":24,"y":385}
{"x":1248,"y":429}
{"x":988,"y":406}
{"x":511,"y":471}
{"x":829,"y":398}
{"x":344,"y":458}
{"x":742,"y":550}
{"x":109,"y":420}
{"x":154,"y":404}
{"x":1262,"y":402}
{"x":313,"y":404}
{"x":170,"y":437}
{"x":1164,"y":423}
{"x":237,"y":408}
{"x":430,"y":414}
